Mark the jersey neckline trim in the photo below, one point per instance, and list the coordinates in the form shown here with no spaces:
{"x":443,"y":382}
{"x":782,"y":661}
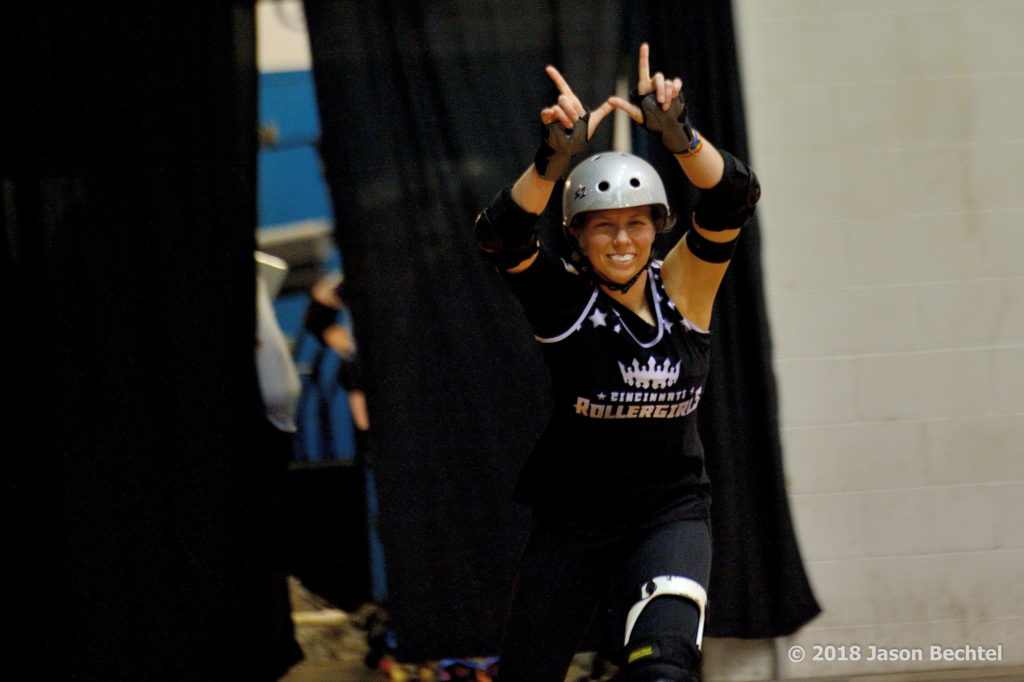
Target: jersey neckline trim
{"x":578,"y":324}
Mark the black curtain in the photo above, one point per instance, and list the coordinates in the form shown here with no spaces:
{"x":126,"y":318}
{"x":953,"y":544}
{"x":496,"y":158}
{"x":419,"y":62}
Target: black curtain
{"x":427,"y":109}
{"x":136,"y":535}
{"x":423,"y":107}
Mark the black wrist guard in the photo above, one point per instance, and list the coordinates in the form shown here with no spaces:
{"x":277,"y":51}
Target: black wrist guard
{"x":674,"y":125}
{"x":558,"y":144}
{"x":318,"y":318}
{"x":731,"y":202}
{"x":506,"y":233}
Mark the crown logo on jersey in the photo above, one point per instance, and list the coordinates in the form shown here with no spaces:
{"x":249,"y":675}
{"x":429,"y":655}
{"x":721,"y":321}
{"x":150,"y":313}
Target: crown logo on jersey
{"x":651,"y":375}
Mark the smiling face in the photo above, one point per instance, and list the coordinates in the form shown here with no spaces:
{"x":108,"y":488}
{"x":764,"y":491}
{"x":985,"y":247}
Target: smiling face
{"x":617,"y":241}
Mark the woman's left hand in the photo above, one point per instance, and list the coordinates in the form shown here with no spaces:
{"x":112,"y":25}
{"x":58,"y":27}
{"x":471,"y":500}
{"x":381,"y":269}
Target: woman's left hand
{"x":665,"y":89}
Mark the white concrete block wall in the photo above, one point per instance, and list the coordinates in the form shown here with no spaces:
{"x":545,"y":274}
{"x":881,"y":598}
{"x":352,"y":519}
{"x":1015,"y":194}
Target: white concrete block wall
{"x":889,"y":139}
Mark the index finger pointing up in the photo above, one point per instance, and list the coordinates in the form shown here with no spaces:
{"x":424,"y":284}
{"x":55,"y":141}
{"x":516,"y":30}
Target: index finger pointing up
{"x":563,"y":87}
{"x":560,"y":82}
{"x":645,"y":63}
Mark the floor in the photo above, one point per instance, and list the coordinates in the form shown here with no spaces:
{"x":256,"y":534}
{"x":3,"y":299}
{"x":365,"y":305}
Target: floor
{"x":309,"y":671}
{"x":335,"y":646}
{"x":341,"y":672}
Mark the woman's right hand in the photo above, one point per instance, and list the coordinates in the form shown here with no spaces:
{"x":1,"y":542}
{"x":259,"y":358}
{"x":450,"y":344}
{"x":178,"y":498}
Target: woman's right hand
{"x":568,"y":109}
{"x":568,"y":126}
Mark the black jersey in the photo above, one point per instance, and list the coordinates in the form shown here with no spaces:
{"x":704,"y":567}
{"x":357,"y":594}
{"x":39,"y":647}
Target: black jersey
{"x":622,"y":440}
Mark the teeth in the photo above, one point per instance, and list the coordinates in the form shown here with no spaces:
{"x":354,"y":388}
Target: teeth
{"x":622,"y":258}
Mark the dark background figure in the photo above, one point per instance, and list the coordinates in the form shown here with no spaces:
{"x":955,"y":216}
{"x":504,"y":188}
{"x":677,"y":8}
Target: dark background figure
{"x":322,"y":321}
{"x":334,"y":545}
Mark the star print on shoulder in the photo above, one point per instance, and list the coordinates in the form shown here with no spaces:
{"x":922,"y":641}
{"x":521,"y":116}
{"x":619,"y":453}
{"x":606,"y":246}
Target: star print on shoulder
{"x":598,"y":318}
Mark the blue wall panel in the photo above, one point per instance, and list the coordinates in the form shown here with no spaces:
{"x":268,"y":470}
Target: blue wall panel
{"x":288,"y":100}
{"x":291,"y":186}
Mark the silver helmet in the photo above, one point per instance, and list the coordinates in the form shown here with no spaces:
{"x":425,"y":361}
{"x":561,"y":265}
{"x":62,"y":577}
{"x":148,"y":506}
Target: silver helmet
{"x":614,"y":180}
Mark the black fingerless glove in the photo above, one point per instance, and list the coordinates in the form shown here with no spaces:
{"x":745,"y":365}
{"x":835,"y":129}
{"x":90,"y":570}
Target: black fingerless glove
{"x":677,"y":134}
{"x":558,"y":144}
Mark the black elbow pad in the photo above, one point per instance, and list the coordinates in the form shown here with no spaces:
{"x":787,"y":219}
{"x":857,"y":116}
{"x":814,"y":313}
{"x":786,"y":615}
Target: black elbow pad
{"x":731,"y":202}
{"x":506,"y":233}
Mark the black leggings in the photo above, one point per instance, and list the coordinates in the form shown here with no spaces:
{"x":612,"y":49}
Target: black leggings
{"x":567,"y":568}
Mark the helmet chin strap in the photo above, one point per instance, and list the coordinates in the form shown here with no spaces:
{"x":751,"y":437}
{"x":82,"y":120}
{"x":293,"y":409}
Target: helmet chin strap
{"x":615,"y":286}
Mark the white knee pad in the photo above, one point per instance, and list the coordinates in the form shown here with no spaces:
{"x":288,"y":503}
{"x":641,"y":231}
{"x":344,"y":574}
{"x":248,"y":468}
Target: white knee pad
{"x":664,"y":585}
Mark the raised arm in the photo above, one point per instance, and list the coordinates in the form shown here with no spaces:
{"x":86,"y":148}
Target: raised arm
{"x":505,"y":231}
{"x":567,"y":126}
{"x":657,"y":104}
{"x":694,"y":268}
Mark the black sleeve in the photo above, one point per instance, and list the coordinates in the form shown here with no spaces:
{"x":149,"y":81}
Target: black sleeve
{"x":552,"y":293}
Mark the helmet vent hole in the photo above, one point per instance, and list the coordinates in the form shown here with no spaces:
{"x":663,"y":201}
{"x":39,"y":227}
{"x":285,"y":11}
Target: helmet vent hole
{"x":634,"y":182}
{"x":603,"y":186}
